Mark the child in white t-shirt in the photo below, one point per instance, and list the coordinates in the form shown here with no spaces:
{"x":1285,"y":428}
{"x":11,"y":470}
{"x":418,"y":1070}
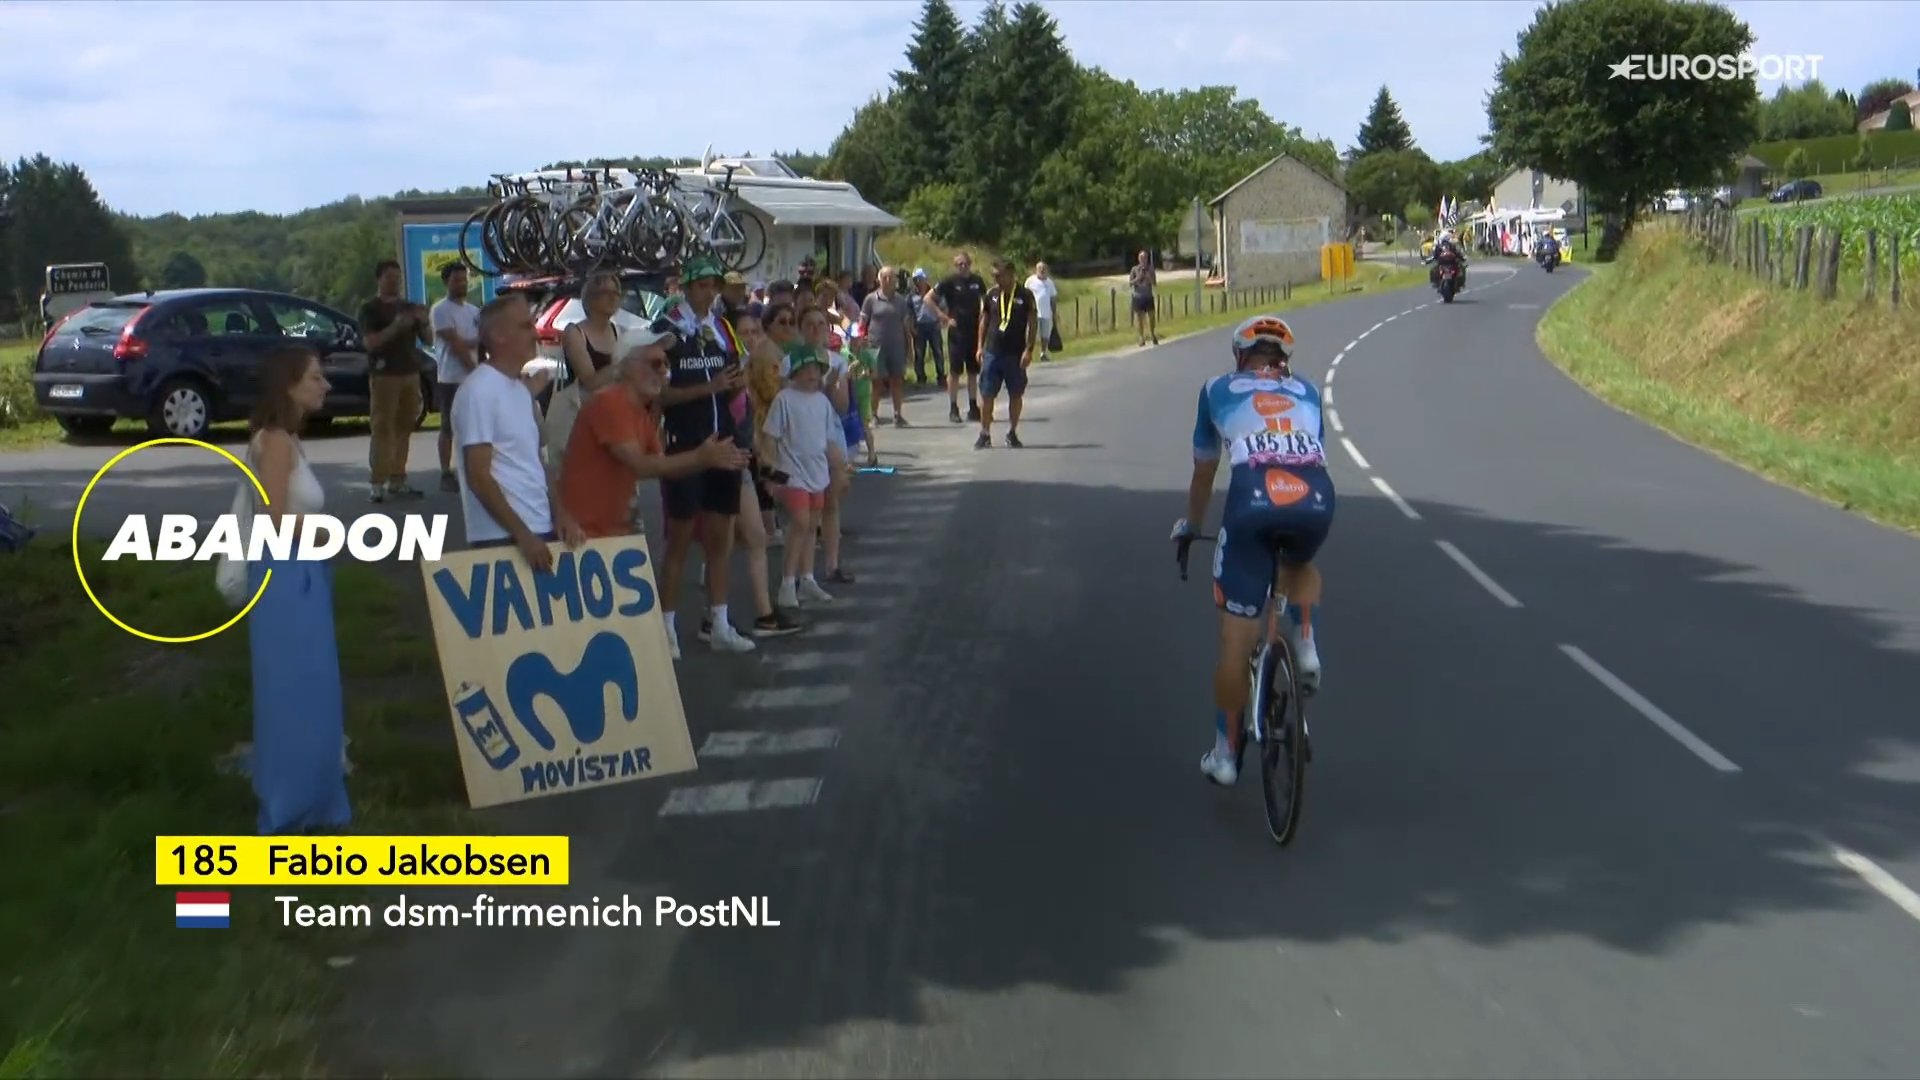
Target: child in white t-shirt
{"x":809,"y":448}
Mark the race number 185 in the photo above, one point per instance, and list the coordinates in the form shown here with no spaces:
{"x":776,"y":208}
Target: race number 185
{"x":206,"y":860}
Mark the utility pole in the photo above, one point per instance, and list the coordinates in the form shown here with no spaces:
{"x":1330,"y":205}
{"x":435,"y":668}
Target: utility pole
{"x":1199,"y":246}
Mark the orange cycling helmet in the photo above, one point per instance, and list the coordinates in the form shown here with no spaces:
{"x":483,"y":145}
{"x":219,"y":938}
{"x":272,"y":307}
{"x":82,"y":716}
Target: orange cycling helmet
{"x":1262,"y":330}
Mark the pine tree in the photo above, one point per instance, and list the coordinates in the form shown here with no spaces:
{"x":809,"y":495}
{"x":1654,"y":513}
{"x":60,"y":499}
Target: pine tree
{"x":59,"y":218}
{"x":990,"y":106}
{"x":928,"y":92}
{"x":1384,"y":129}
{"x":1042,"y":84}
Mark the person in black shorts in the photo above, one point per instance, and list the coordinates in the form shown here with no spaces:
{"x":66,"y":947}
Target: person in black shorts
{"x":958,"y":299}
{"x":704,"y":375}
{"x":1141,"y":280}
{"x":1007,"y":326}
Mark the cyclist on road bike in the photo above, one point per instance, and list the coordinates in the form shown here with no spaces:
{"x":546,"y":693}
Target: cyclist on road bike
{"x":1279,"y":505}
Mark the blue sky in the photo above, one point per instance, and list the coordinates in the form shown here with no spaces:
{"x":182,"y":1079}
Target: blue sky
{"x":204,"y":107}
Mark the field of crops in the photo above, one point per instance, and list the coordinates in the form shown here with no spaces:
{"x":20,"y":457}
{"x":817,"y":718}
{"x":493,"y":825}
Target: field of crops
{"x":1892,"y":215}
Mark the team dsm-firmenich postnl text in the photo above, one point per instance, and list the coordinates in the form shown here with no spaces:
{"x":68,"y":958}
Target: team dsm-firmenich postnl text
{"x":487,"y":911}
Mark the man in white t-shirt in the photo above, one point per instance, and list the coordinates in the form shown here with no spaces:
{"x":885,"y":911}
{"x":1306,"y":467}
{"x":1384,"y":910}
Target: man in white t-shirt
{"x":456,"y":349}
{"x":505,"y":494}
{"x":1045,"y":293}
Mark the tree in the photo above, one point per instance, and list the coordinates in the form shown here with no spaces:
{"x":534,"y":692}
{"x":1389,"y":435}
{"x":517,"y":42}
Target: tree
{"x":1388,"y":181}
{"x":867,"y":154}
{"x":989,"y":107}
{"x":1556,"y":107}
{"x":1879,"y":95}
{"x":1140,"y":194}
{"x":183,"y":271}
{"x":1384,"y":129}
{"x":1045,"y":85}
{"x":1807,"y":111}
{"x":1471,"y":177}
{"x":928,"y":87}
{"x":59,"y":218}
{"x":1797,"y":165}
{"x":1900,"y":117}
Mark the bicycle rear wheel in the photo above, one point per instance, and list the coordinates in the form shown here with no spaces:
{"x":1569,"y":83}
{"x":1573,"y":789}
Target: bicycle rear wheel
{"x":477,"y":218}
{"x":745,"y":254}
{"x":1283,"y":750}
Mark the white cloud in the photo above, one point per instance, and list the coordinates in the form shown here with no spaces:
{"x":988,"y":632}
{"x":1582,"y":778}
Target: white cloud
{"x":210,"y":106}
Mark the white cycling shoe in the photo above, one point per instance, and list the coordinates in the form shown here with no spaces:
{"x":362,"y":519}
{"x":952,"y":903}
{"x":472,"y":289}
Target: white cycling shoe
{"x":1306,"y":659}
{"x":1218,"y":764}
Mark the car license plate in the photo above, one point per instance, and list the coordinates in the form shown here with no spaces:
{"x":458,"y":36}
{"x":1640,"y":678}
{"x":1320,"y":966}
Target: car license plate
{"x":66,"y":392}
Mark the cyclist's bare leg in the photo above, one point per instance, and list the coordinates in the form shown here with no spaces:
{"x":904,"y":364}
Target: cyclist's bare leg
{"x":1239,"y":636}
{"x":1301,"y":586}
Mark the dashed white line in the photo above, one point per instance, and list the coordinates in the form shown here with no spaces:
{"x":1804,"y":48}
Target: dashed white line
{"x":733,"y":744}
{"x":1331,"y":372}
{"x":1389,"y":319}
{"x":1334,"y":419}
{"x":737,"y":796}
{"x":1354,"y":452}
{"x":1881,"y":882}
{"x":808,"y":661}
{"x":796,"y":697}
{"x":1326,"y":397}
{"x":1352,"y":344}
{"x":1337,"y":357}
{"x":1477,"y":574}
{"x":1395,"y":498}
{"x":1649,"y":710}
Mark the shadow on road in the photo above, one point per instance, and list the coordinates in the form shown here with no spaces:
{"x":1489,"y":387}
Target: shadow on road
{"x":1015,"y":802}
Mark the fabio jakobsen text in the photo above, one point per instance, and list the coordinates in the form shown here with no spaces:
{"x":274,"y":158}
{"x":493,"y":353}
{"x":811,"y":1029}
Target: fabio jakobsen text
{"x":219,"y":861}
{"x":485,"y":910}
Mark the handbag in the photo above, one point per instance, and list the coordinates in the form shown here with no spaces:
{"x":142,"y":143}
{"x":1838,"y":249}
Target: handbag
{"x":1053,"y":339}
{"x":230,"y":575}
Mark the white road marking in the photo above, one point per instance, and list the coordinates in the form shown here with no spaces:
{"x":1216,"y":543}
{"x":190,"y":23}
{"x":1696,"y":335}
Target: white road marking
{"x":796,"y":697}
{"x":1351,"y":344}
{"x":834,"y":627}
{"x":809,"y":661}
{"x":1326,"y":397}
{"x":1331,"y":372}
{"x":1389,"y":319}
{"x":1337,"y":357}
{"x":737,"y":796}
{"x":1522,"y":307}
{"x":1354,"y":452}
{"x":733,"y":744}
{"x":1394,"y":498}
{"x":1478,"y":574}
{"x":1882,"y":882}
{"x":1334,"y":419}
{"x":1649,"y":710}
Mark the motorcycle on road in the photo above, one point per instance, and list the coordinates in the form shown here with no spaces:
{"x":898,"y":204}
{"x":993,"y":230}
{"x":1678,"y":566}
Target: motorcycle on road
{"x":1547,"y":256}
{"x":1449,"y":280}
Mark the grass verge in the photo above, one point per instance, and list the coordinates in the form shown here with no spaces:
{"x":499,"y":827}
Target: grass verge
{"x":1824,"y":397}
{"x":111,"y":740}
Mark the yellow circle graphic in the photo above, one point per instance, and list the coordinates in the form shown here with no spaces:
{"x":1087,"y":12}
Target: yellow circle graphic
{"x":81,"y":570}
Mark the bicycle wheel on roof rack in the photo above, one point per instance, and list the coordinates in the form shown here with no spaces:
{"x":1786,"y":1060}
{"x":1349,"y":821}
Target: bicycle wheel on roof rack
{"x":576,"y":239}
{"x":743,"y":253}
{"x":478,"y":266}
{"x":656,"y":239}
{"x":493,"y":238}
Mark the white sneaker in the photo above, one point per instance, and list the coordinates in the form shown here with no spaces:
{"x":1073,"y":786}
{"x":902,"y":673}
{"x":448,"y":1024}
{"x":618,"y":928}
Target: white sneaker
{"x":673,"y":643}
{"x":1219,"y":767}
{"x":787,"y":598}
{"x":1306,"y":658}
{"x":811,"y":592}
{"x":728,"y":639}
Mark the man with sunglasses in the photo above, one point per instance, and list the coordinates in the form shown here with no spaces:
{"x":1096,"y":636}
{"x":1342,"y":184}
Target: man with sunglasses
{"x":1279,"y":506}
{"x":958,"y":300}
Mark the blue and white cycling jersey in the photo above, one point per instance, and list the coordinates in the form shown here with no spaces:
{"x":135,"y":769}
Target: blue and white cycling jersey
{"x":1262,"y":420}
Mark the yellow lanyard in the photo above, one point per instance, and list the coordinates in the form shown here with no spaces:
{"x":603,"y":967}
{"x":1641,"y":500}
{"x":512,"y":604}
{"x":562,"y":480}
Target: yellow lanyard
{"x":1006,"y":309}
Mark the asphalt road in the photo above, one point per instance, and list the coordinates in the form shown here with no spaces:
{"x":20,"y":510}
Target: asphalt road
{"x":1616,"y":770}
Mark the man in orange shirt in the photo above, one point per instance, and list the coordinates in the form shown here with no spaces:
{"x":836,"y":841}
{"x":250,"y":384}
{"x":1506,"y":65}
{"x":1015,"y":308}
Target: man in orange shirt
{"x":616,"y":443}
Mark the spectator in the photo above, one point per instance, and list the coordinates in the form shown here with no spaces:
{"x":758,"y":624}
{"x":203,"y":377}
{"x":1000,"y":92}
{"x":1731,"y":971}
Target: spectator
{"x":927,"y":337}
{"x":505,"y":494}
{"x":456,"y":332}
{"x":757,"y":300}
{"x":957,"y":299}
{"x":760,"y":358}
{"x":733,"y":294}
{"x":1142,"y":280}
{"x":616,"y":442}
{"x":696,"y":405}
{"x":766,"y":371}
{"x":806,"y":436}
{"x":1046,"y":296}
{"x":889,"y":323}
{"x":779,"y":291}
{"x":804,"y":279}
{"x":299,"y":717}
{"x":816,"y":346}
{"x":1006,"y":334}
{"x":392,"y":326}
{"x":590,"y":344}
{"x":869,"y":282}
{"x":845,"y":301}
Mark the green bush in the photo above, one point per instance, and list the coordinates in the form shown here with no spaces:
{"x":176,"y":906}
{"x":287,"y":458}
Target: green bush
{"x":1797,"y":165}
{"x":1900,"y":117}
{"x":17,"y":406}
{"x":1833,"y":153}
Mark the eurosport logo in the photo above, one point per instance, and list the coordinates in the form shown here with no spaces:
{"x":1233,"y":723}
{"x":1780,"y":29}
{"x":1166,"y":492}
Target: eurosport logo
{"x":1705,"y":67}
{"x":248,"y":538}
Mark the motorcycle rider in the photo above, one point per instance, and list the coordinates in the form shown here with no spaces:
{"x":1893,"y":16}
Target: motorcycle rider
{"x":1445,"y":248}
{"x":1547,"y":249}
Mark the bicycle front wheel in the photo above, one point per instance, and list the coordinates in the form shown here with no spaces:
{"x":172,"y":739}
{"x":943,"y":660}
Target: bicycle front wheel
{"x":1283,"y":750}
{"x":744,"y":254}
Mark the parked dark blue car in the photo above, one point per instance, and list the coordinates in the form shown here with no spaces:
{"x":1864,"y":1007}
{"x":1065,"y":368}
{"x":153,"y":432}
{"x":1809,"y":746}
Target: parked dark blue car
{"x":185,"y":359}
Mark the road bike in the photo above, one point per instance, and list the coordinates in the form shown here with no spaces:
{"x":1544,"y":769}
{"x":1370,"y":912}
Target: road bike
{"x":1276,"y":716}
{"x":640,"y":228}
{"x":738,"y":240}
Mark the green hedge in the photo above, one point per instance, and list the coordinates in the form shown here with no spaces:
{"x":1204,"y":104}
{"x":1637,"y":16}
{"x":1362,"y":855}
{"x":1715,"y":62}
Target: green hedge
{"x":1834,"y":153}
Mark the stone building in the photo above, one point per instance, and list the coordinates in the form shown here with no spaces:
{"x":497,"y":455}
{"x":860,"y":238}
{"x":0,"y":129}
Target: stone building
{"x":1269,"y":227}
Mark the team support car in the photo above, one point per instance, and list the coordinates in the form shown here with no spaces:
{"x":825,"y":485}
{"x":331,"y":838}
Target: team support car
{"x":186,"y":359}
